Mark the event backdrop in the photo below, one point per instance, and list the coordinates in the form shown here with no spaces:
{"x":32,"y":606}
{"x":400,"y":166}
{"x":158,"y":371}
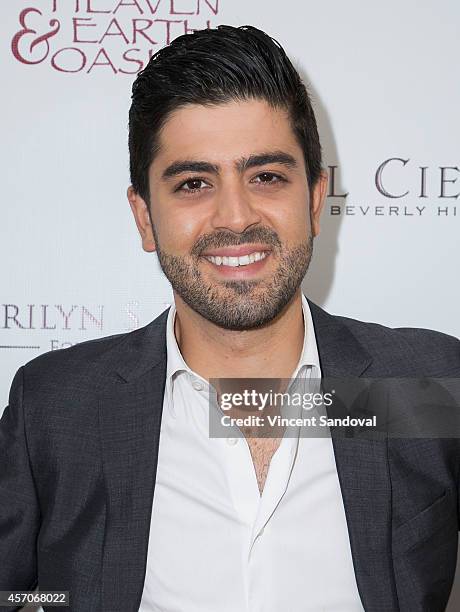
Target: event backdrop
{"x":384,"y":82}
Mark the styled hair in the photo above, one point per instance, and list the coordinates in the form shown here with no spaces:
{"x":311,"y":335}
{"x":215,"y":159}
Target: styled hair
{"x":214,"y":66}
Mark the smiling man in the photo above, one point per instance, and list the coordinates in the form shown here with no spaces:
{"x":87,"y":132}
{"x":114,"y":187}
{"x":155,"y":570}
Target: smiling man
{"x":229,"y":222}
{"x":111,"y":486}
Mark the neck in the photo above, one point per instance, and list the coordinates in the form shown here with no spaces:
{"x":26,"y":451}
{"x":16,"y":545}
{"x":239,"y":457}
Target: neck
{"x":271,"y":351}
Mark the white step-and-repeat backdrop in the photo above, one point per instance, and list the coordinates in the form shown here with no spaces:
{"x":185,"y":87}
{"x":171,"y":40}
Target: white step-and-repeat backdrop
{"x":384,"y":80}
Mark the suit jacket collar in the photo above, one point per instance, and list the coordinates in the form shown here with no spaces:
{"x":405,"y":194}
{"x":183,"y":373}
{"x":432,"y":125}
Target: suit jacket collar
{"x":341,"y":354}
{"x":140,"y":350}
{"x":130,"y":417}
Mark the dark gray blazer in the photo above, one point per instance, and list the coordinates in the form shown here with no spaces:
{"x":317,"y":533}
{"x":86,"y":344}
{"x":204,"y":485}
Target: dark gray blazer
{"x":78,"y":454}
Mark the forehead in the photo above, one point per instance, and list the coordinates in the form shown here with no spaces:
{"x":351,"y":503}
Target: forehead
{"x":225,"y":132}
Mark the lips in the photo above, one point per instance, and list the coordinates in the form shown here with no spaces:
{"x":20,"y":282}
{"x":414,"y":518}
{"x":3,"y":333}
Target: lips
{"x":238,"y":268}
{"x":238,"y":251}
{"x":243,"y":260}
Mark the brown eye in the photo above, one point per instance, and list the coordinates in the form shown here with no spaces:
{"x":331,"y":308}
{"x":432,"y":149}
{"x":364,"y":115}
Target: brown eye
{"x":268,"y":178}
{"x":192,"y":185}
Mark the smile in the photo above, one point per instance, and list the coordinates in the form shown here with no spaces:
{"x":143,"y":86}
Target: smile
{"x":235,"y":262}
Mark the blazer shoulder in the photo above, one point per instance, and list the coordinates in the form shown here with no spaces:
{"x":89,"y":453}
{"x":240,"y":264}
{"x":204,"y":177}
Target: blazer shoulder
{"x":432,"y":352}
{"x":88,"y":350}
{"x":88,"y":363}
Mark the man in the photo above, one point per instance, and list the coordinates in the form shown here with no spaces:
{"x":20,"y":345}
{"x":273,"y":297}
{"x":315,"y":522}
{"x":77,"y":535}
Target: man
{"x":111,"y":486}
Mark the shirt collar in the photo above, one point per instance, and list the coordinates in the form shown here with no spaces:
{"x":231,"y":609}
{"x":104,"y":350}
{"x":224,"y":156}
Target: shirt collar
{"x":176,"y":362}
{"x":308,"y":357}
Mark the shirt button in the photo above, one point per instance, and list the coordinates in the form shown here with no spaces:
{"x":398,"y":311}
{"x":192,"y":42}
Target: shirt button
{"x":197,"y":385}
{"x":232,"y":441}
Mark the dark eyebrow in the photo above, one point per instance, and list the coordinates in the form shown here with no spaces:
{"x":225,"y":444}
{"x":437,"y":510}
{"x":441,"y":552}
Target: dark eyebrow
{"x":259,"y":159}
{"x":187,"y":165}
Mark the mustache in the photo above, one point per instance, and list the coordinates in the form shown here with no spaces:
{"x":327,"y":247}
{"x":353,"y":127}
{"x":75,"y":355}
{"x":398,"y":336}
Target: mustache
{"x":227,"y":239}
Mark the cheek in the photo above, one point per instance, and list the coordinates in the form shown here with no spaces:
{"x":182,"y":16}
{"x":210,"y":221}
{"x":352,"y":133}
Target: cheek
{"x":178,"y":229}
{"x":292,"y":220}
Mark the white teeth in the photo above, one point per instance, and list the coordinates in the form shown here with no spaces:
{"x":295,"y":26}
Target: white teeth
{"x":234,"y":262}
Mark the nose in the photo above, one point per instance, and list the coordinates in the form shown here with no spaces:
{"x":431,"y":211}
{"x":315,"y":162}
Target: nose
{"x":234,"y":209}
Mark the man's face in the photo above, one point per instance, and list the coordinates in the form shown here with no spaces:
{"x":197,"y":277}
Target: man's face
{"x":233,"y":217}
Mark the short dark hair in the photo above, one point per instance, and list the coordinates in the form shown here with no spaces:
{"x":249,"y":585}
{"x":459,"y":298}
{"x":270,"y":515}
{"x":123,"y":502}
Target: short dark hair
{"x":213,"y":66}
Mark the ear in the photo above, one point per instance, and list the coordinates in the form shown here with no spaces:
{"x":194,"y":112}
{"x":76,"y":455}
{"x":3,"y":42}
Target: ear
{"x":317,"y":199}
{"x":142,"y":219}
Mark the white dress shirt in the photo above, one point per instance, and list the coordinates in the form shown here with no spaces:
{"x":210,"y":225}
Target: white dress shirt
{"x":215,"y":543}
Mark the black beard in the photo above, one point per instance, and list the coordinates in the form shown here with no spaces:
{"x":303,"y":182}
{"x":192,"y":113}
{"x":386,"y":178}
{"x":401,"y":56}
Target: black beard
{"x":238,"y":305}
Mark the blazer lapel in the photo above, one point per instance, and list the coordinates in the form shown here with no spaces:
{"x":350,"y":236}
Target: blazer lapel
{"x":363,"y":472}
{"x":130,"y":416}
